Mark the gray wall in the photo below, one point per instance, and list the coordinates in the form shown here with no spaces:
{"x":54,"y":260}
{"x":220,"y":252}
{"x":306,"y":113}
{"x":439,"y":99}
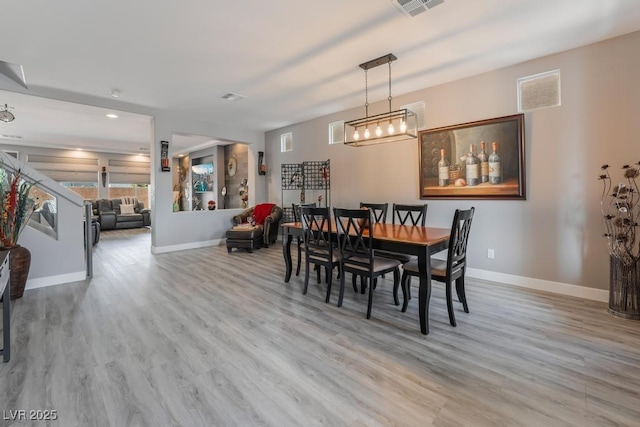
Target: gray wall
{"x":239,"y":151}
{"x":555,"y":235}
{"x":186,"y":229}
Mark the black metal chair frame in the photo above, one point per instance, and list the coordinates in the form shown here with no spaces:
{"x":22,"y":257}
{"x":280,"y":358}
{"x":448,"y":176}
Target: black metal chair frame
{"x":318,"y":244}
{"x":357,"y":255}
{"x":456,"y":264}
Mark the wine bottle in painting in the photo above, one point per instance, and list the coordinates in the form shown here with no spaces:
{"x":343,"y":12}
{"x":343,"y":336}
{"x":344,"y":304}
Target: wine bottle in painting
{"x":484,"y":162}
{"x":495,"y":167}
{"x":443,"y":170}
{"x":472,"y":167}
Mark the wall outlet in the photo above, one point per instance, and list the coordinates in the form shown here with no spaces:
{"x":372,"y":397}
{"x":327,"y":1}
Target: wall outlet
{"x":491,"y":254}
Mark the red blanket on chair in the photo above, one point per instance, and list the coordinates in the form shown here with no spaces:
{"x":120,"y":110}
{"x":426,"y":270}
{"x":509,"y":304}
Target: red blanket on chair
{"x":261,"y":211}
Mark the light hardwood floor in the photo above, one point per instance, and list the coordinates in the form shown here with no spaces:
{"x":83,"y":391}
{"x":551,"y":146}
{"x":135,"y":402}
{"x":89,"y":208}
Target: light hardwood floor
{"x":206,"y":338}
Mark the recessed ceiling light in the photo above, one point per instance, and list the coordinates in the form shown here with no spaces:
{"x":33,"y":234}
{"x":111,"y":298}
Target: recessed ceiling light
{"x":78,"y":149}
{"x":112,"y":116}
{"x":180,"y":155}
{"x":115,"y":93}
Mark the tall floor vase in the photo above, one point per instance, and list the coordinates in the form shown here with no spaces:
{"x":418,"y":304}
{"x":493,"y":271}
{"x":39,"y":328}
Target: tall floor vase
{"x":19,"y":263}
{"x":624,"y":287}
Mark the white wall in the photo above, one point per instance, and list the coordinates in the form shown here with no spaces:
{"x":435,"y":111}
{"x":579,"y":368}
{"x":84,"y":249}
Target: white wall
{"x":181,"y":230}
{"x":61,"y":259}
{"x":187,"y":229}
{"x":551,"y":240}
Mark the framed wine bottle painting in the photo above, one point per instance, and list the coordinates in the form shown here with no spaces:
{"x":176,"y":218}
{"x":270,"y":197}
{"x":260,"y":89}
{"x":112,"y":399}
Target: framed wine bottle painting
{"x":476,"y":160}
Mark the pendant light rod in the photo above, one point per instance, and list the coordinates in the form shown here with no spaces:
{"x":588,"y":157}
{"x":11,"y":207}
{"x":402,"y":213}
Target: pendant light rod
{"x":386,"y":59}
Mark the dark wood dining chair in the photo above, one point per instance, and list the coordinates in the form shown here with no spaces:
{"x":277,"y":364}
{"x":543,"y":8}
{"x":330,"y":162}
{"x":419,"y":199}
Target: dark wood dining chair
{"x":318,"y":245}
{"x":379,"y":210}
{"x":405,"y":215}
{"x":296,"y":218}
{"x":357,"y":255}
{"x":446,"y":271}
{"x":409,"y":214}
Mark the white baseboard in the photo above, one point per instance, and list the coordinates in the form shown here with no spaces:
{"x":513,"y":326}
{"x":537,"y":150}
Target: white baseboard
{"x":540,"y":285}
{"x":185,"y":246}
{"x":42,"y":282}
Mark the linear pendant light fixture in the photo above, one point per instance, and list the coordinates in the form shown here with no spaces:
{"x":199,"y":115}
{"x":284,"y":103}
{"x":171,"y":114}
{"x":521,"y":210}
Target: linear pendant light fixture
{"x":387,"y":127}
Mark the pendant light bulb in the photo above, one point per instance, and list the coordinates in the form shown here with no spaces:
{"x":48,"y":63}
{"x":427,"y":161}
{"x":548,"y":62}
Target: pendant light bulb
{"x":391,"y":129}
{"x":367,"y":134}
{"x":403,"y":126}
{"x":378,"y":130}
{"x":356,"y":135}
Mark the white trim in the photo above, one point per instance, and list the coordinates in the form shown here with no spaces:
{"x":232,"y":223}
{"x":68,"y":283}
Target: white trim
{"x":42,"y":282}
{"x":539,"y":284}
{"x":185,"y":246}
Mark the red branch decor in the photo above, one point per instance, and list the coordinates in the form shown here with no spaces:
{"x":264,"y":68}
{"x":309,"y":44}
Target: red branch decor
{"x":16,"y":205}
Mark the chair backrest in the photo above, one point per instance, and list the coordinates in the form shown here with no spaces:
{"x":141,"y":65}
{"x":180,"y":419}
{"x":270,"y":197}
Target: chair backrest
{"x":355,"y":247}
{"x":457,"y":254}
{"x":379,"y":210}
{"x":316,"y":231}
{"x":296,"y":209}
{"x":414,"y":214}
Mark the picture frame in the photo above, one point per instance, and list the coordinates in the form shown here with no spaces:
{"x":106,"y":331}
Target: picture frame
{"x":504,"y":178}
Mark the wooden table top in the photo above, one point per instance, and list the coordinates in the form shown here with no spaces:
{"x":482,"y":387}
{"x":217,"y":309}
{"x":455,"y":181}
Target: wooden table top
{"x":410,"y":234}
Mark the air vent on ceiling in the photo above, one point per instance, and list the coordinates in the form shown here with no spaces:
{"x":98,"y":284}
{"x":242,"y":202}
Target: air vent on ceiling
{"x":415,"y":7}
{"x":5,"y":136}
{"x":230,"y":96}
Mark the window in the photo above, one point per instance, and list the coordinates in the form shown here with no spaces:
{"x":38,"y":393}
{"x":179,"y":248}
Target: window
{"x":86,"y":190}
{"x":139,"y":191}
{"x":286,"y":142}
{"x":336,"y":132}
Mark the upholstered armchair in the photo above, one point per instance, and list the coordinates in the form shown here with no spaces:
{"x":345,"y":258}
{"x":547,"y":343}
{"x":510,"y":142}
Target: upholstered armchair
{"x":269,"y":223}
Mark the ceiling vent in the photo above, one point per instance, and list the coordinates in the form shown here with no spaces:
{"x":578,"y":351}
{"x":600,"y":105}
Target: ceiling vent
{"x":415,"y":7}
{"x":6,"y":136}
{"x":230,"y":96}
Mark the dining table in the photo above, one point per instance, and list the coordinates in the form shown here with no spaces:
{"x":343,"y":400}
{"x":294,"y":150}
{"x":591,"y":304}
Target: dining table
{"x":408,"y":239}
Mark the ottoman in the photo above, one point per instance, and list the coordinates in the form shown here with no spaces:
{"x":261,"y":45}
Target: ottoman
{"x":245,"y":236}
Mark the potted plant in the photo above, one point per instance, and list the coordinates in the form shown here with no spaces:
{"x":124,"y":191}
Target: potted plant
{"x":621,"y":213}
{"x":17,"y":207}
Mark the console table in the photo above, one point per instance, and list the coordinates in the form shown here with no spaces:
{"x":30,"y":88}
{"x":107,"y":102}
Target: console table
{"x":5,"y":290}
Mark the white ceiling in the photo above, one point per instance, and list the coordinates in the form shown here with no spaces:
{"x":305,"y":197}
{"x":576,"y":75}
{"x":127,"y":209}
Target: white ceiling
{"x":294,"y":60}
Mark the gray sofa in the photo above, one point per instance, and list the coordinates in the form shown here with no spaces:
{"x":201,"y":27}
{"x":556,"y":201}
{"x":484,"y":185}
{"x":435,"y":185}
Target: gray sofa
{"x":110,"y":217}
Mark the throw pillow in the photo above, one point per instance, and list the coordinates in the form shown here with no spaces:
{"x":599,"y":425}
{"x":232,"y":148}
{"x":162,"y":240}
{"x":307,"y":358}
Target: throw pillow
{"x":126,"y":209}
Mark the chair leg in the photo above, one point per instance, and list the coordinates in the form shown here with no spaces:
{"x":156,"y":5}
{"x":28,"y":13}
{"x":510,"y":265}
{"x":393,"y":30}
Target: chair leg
{"x":327,"y":274}
{"x":299,"y":258}
{"x":452,"y":317}
{"x":353,"y":282}
{"x":462,"y":297}
{"x":329,"y":281}
{"x":370,"y":298}
{"x":341,"y":294}
{"x":396,"y":284}
{"x":306,"y":278}
{"x":318,"y":278}
{"x":409,"y":286}
{"x":406,"y":283}
{"x":363,"y":285}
